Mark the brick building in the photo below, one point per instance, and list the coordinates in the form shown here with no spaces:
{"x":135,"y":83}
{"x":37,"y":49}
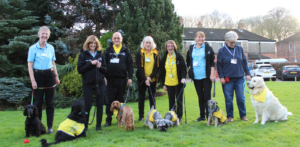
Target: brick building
{"x":289,"y":48}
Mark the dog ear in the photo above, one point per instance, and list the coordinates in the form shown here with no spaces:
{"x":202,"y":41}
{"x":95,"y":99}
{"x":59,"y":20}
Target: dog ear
{"x":112,"y":107}
{"x":259,"y":83}
{"x":25,"y":111}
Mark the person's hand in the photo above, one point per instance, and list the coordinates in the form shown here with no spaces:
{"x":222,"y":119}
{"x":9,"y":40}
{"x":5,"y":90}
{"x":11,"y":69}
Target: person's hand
{"x":222,"y":80}
{"x":33,"y":84}
{"x":98,"y":64}
{"x":57,"y":82}
{"x":94,"y":62}
{"x":189,"y":67}
{"x":165,"y":88}
{"x":212,"y":77}
{"x":148,"y":79}
{"x":105,"y":81}
{"x":147,"y":83}
{"x":129,"y":82}
{"x":248,"y":77}
{"x":183,"y":81}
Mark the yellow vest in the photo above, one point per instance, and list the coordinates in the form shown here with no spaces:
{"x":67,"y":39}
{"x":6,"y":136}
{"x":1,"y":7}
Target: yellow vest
{"x":174,"y":118}
{"x":117,"y":49}
{"x":171,"y":81}
{"x":151,"y":118}
{"x":149,"y":65}
{"x":261,"y":96}
{"x":71,"y":127}
{"x":219,"y":114}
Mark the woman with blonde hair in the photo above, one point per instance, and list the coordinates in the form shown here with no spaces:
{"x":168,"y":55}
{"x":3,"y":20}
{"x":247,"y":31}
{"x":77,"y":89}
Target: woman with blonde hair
{"x":173,"y":74}
{"x":147,"y":60}
{"x":43,"y":73}
{"x":92,"y":67}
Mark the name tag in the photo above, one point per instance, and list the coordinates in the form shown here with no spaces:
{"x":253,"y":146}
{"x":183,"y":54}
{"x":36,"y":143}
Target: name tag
{"x":114,"y":60}
{"x":233,"y":61}
{"x":195,"y":64}
{"x":43,"y":54}
{"x":148,"y":60}
{"x":171,"y":75}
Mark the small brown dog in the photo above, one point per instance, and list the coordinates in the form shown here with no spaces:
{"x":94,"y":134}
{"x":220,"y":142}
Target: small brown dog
{"x":125,"y":114}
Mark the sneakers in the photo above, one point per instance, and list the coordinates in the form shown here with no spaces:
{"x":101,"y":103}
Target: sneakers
{"x":200,"y":119}
{"x":50,"y":131}
{"x":141,"y":119}
{"x":107,"y":124}
{"x":98,"y":128}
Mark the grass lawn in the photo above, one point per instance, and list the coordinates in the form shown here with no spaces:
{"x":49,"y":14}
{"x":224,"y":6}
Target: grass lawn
{"x":237,"y":133}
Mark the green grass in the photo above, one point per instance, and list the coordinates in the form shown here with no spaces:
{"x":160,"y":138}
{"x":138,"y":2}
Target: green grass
{"x":237,"y":133}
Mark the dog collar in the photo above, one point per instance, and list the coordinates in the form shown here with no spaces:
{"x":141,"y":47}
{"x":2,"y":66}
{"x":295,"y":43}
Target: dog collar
{"x":121,"y":108}
{"x":261,"y":96}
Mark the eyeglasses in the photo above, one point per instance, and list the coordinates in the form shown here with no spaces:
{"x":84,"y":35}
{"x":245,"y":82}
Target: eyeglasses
{"x":170,"y":45}
{"x":232,"y":42}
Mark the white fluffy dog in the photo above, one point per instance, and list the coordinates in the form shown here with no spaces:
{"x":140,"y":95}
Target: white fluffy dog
{"x":266,"y":105}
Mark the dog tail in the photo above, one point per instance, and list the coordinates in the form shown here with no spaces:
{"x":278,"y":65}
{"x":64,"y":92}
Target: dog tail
{"x":289,"y":113}
{"x":45,"y":144}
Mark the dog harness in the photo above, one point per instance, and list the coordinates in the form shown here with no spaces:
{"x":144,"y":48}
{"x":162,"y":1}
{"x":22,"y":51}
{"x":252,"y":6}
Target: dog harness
{"x":71,"y":127}
{"x":261,"y":96}
{"x":173,"y":115}
{"x":220,"y":115}
{"x":116,"y":111}
{"x":152,"y":113}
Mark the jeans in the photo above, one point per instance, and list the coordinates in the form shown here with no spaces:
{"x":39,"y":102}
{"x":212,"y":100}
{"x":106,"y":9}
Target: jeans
{"x":235,"y":84}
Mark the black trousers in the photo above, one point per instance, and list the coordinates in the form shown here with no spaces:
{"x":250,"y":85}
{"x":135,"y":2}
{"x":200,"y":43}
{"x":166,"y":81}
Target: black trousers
{"x":142,"y":91}
{"x":203,"y":88}
{"x":115,"y":90}
{"x":173,"y":92}
{"x":45,"y":80}
{"x":88,"y":92}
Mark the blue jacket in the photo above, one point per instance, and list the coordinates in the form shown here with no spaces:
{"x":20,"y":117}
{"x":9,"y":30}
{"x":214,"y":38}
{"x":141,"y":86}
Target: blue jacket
{"x":224,"y":66}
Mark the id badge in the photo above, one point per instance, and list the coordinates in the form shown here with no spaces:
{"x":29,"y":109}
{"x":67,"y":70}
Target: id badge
{"x":43,"y":54}
{"x":195,"y":64}
{"x":171,"y":75}
{"x":148,"y":60}
{"x":117,"y":60}
{"x":112,"y":60}
{"x":233,"y":61}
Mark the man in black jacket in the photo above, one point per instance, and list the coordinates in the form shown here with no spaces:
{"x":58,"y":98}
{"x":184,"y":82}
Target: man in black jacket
{"x":119,"y":64}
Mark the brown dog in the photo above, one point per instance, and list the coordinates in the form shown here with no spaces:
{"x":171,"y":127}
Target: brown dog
{"x":125,"y":114}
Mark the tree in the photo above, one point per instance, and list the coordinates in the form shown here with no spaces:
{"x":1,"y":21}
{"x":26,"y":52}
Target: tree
{"x":140,"y":18}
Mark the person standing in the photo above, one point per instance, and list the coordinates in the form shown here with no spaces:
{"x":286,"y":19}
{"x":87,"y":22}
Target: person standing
{"x":232,"y":66}
{"x":43,"y":73}
{"x":119,"y":68}
{"x":200,"y":60}
{"x":92,"y":67}
{"x":173,"y":74}
{"x":147,"y":60}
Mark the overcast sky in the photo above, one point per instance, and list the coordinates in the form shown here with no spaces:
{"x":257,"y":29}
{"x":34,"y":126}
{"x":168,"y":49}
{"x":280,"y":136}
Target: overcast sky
{"x":237,"y":9}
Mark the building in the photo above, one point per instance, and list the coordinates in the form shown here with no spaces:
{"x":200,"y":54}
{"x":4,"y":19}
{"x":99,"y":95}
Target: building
{"x":289,"y":48}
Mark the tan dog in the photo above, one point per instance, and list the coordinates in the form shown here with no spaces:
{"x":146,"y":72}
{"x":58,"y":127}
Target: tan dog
{"x":266,"y":105}
{"x":125,"y":114}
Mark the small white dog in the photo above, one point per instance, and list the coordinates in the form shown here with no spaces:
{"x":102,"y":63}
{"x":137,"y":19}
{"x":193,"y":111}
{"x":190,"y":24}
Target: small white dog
{"x":266,"y":105}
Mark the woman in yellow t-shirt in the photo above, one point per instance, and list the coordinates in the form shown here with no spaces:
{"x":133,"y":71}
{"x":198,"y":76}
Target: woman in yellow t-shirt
{"x":147,"y":60}
{"x":173,"y":74}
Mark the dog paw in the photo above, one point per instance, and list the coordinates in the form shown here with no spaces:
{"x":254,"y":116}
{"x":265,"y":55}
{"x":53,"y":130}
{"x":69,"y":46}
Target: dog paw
{"x":276,"y":121}
{"x":263,"y":123}
{"x":255,"y":122}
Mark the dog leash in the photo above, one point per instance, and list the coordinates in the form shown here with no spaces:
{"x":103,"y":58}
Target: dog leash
{"x":97,"y":90}
{"x":184,"y":107}
{"x":178,"y":96}
{"x":152,"y":97}
{"x":124,"y":101}
{"x":245,"y":81}
{"x":40,"y":88}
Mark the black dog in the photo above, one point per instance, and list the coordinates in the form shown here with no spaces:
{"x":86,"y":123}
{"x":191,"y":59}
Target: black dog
{"x":33,"y":124}
{"x":73,"y":127}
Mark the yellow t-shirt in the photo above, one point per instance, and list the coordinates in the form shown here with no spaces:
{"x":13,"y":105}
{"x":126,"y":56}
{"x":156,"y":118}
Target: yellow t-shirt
{"x":117,"y":49}
{"x":149,"y":65}
{"x":71,"y":127}
{"x":171,"y":81}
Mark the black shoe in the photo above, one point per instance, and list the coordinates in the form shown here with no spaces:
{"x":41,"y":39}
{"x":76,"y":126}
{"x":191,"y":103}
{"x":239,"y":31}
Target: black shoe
{"x":98,"y":128}
{"x":141,"y":119}
{"x":200,"y":119}
{"x":50,"y":131}
{"x":107,"y":124}
{"x":180,"y":120}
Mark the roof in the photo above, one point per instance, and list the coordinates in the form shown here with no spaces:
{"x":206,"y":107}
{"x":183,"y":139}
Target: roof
{"x":293,"y":38}
{"x":213,"y":34}
{"x":252,"y":56}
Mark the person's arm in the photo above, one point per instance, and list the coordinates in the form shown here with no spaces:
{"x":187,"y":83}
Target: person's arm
{"x":155,"y":68}
{"x":219,"y":66}
{"x":212,"y":64}
{"x":188,"y":59}
{"x":182,"y":69}
{"x":103,"y":67}
{"x":83,"y":66}
{"x":57,"y":82}
{"x":139,"y":66}
{"x":31,"y":75}
{"x":162,"y":70}
{"x":246,"y":69}
{"x":129,"y":68}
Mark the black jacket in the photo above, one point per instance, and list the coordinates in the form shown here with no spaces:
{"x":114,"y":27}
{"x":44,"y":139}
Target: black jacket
{"x":140,"y":62}
{"x":87,"y":70}
{"x":180,"y":65}
{"x":209,"y":58}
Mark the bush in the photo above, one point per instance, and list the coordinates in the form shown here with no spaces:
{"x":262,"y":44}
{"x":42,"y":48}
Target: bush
{"x":61,"y":101}
{"x":104,"y":40}
{"x":276,"y":66}
{"x":12,"y":90}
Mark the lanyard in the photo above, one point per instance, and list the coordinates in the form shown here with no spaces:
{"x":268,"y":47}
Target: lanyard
{"x":117,"y":54}
{"x":230,"y":52}
{"x":172,"y":62}
{"x":94,"y":55}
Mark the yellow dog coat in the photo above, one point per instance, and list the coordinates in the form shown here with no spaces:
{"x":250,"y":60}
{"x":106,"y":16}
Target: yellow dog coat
{"x":174,"y":118}
{"x":261,"y":96}
{"x":219,"y":114}
{"x":71,"y":127}
{"x":151,"y":118}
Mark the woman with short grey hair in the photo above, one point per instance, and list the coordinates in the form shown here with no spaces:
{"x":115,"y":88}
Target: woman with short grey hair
{"x":232,"y":67}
